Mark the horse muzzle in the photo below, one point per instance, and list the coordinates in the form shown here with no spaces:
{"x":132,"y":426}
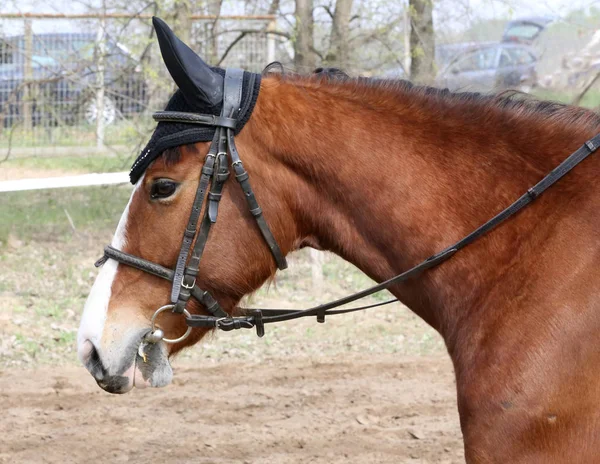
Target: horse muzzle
{"x":137,"y":364}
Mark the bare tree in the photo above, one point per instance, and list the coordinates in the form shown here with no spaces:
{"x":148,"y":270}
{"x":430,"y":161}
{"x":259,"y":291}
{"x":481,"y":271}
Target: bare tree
{"x":182,"y":23}
{"x":422,"y":43}
{"x":304,"y":58}
{"x":340,"y":28}
{"x":214,"y":8}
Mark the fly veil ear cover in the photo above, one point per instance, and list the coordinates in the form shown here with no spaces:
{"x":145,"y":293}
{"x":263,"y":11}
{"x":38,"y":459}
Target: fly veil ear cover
{"x":200,"y":85}
{"x":200,"y":91}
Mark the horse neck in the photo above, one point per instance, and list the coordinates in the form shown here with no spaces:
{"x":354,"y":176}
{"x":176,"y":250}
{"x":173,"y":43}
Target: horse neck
{"x":385,"y":180}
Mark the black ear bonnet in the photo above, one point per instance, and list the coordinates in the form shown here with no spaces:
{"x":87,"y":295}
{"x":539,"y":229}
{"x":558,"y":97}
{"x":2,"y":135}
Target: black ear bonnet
{"x":200,"y":91}
{"x":173,"y":134}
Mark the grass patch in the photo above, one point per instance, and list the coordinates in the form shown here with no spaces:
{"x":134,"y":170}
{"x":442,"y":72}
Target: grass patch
{"x":39,"y":245}
{"x":31,"y":347}
{"x":52,"y":310}
{"x":41,"y":213}
{"x":94,"y":163}
{"x":66,"y":338}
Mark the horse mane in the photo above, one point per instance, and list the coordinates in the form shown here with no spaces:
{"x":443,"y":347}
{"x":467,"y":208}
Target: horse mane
{"x":513,"y":101}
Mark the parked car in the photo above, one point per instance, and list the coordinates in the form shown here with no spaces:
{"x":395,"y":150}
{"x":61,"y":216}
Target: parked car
{"x":63,"y":69}
{"x":444,"y":54}
{"x":525,"y":30}
{"x":491,"y":67}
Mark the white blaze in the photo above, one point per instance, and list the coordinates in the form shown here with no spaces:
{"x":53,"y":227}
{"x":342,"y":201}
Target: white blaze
{"x":96,"y":305}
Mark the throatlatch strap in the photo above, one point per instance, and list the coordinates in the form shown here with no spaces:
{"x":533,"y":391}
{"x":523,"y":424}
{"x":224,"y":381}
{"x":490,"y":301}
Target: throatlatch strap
{"x":231,"y":106}
{"x":242,"y":177}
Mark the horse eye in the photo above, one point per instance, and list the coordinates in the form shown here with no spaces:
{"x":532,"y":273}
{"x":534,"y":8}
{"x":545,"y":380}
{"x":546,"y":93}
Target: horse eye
{"x":162,"y":188}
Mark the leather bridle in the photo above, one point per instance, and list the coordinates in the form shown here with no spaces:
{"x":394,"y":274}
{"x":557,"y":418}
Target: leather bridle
{"x":221,"y":154}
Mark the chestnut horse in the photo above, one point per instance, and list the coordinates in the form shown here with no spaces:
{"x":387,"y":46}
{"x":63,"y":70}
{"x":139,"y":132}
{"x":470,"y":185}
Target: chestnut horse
{"x":385,"y":174}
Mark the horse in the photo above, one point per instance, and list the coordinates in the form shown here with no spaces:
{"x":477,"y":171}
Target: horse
{"x":383,"y":174}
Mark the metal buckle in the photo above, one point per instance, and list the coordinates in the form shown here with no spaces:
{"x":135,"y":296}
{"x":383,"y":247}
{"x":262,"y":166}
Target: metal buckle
{"x":150,"y":338}
{"x":186,"y":286}
{"x":217,"y":322}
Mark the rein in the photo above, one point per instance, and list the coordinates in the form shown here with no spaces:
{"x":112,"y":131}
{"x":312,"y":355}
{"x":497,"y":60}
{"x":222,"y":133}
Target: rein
{"x":216,"y":169}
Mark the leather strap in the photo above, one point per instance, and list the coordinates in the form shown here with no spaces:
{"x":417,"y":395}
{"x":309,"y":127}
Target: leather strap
{"x":185,"y":276}
{"x":232,"y":91}
{"x":243,"y":179}
{"x":193,"y":268}
{"x":194,"y":118}
{"x":202,"y":296}
{"x":216,"y":168}
{"x":190,"y":230}
{"x":221,"y":176}
{"x":231,"y":106}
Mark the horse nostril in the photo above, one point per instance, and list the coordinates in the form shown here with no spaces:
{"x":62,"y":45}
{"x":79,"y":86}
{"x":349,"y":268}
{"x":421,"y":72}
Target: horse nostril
{"x":84,"y":350}
{"x":91,"y":359}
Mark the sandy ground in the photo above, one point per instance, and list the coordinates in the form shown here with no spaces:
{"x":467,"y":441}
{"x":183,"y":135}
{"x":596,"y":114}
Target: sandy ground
{"x":367,"y":387}
{"x":353,"y":409}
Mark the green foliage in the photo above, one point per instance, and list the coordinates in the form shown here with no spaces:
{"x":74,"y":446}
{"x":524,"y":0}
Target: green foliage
{"x":41,"y":213}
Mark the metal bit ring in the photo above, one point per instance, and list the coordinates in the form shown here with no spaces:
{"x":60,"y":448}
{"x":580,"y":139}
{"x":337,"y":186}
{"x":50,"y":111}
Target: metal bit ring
{"x":152,"y":339}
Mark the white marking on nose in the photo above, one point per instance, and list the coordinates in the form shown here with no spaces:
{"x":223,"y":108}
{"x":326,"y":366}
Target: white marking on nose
{"x":96,"y":305}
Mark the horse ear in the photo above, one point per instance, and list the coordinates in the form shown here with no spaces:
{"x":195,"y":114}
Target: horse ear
{"x":199,"y":84}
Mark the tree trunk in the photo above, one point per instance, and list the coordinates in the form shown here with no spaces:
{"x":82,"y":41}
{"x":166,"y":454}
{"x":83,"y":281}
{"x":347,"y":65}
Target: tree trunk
{"x":274,"y":7}
{"x":182,"y":23}
{"x":214,"y":8}
{"x":337,"y":55}
{"x":422,"y":44}
{"x":304,"y":58}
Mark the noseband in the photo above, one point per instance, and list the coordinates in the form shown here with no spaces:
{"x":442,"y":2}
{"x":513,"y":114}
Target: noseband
{"x":221,"y":154}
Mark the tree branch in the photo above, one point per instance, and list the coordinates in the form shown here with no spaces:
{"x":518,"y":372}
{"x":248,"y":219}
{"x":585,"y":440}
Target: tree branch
{"x":578,"y":98}
{"x":231,"y":45}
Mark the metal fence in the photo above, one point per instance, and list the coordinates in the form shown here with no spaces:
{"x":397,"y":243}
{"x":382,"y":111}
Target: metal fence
{"x":93,"y":83}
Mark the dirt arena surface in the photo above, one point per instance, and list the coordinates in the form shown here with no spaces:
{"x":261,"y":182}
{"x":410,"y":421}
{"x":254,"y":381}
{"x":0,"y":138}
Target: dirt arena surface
{"x":367,"y":387}
{"x":355,"y":409}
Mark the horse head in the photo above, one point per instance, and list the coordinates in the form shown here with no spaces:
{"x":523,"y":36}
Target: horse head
{"x":168,"y":183}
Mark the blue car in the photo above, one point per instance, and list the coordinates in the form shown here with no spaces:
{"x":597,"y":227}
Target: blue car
{"x":491,"y":67}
